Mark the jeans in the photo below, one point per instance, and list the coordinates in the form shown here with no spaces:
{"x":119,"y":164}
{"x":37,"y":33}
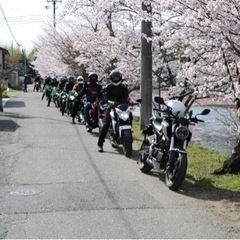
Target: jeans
{"x":87,"y":108}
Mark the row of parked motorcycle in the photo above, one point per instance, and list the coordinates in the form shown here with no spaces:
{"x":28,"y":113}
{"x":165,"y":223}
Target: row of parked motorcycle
{"x":166,"y":137}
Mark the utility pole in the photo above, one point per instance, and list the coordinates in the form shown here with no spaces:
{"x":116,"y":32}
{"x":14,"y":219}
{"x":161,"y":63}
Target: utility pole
{"x":54,"y":10}
{"x":146,"y":67}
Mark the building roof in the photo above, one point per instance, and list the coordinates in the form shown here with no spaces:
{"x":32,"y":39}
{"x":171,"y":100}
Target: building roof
{"x":5,"y":51}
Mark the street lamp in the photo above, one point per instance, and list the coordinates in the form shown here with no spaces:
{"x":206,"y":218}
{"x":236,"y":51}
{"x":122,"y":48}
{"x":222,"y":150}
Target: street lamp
{"x":54,"y":10}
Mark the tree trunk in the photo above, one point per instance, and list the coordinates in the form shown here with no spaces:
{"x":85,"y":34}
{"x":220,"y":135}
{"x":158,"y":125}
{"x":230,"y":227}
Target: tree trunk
{"x":232,"y":165}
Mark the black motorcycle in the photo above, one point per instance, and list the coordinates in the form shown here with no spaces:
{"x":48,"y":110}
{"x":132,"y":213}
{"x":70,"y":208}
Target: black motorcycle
{"x":37,"y":87}
{"x":166,"y":139}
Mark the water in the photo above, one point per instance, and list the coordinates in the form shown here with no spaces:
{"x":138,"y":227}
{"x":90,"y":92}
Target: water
{"x":216,"y":132}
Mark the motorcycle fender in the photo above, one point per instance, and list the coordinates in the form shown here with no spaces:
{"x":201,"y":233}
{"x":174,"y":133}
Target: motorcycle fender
{"x":124,"y":127}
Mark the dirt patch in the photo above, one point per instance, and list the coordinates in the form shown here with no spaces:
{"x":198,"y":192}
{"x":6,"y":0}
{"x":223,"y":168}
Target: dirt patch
{"x":227,"y":208}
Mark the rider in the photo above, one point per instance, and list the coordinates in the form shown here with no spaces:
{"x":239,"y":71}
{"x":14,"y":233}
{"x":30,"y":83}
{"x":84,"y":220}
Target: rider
{"x":77,"y":88}
{"x":37,"y":80}
{"x":61,"y":90}
{"x":69,"y":84}
{"x":118,"y":92}
{"x":53,"y":83}
{"x":25,"y":82}
{"x":93,"y":91}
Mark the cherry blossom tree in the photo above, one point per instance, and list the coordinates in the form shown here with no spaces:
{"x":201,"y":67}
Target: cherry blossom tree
{"x":207,"y":36}
{"x":195,"y":43}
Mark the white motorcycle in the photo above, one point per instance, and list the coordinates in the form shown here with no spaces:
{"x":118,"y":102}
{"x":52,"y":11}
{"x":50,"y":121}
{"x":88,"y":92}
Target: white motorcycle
{"x":166,"y":139}
{"x":120,"y":131}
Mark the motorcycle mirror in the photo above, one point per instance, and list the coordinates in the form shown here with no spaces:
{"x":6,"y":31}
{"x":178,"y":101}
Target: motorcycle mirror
{"x":206,"y":111}
{"x":190,"y":113}
{"x":159,"y":100}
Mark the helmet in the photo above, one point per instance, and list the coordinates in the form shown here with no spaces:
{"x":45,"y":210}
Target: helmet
{"x":178,"y":108}
{"x":93,"y":77}
{"x":80,"y":79}
{"x":71,"y":79}
{"x":116,"y":77}
{"x":63,"y":79}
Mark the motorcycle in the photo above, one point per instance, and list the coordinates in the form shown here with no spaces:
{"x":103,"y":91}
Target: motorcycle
{"x":62,"y":102}
{"x":47,"y":92}
{"x":80,"y":113}
{"x":54,"y":96}
{"x":166,"y":138}
{"x":37,"y":86}
{"x":120,"y":131}
{"x":78,"y":108}
{"x":93,"y":116}
{"x":69,"y":102}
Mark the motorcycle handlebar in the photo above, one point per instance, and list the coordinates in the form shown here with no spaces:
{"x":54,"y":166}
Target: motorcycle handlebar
{"x":196,"y":120}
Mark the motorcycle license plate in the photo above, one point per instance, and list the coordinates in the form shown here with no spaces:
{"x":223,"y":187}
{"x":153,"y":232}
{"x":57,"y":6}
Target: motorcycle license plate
{"x":125,"y":127}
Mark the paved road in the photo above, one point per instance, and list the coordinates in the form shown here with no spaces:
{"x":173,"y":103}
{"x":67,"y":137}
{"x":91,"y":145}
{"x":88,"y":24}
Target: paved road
{"x":54,"y":184}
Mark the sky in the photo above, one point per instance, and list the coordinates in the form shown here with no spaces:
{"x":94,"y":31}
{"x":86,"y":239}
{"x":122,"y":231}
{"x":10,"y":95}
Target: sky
{"x":25,"y":19}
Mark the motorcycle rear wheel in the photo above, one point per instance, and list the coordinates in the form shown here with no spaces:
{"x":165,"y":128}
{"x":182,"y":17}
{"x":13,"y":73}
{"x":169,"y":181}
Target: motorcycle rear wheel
{"x":142,"y":157}
{"x":174,"y":178}
{"x":127,"y":140}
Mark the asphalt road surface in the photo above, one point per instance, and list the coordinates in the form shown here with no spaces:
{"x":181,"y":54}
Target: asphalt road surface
{"x":55,"y":184}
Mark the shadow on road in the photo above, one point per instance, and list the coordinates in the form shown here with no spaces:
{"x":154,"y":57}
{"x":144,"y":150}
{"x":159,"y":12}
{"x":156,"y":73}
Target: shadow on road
{"x":14,"y":104}
{"x":8,"y":125}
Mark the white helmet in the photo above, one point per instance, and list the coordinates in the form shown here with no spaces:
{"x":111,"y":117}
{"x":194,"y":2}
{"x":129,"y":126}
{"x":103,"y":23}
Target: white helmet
{"x":80,"y":79}
{"x":178,"y":108}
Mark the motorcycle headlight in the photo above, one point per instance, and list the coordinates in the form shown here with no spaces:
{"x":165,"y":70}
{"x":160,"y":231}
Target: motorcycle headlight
{"x":124,"y":116}
{"x":182,"y":132}
{"x":71,"y":98}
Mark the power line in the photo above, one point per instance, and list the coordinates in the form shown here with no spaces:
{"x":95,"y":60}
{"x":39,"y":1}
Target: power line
{"x":9,"y":26}
{"x":26,"y":21}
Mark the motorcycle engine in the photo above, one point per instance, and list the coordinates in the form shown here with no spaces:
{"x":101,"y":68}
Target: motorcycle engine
{"x":154,"y":151}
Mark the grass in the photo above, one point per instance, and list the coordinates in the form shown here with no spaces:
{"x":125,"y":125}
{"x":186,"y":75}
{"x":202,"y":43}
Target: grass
{"x":10,"y":93}
{"x":201,"y":164}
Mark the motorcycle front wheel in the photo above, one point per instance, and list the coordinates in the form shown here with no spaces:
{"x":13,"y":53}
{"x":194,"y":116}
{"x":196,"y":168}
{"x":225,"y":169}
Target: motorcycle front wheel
{"x":63,"y":108}
{"x":127,"y":140}
{"x":175,"y":177}
{"x":142,"y":157}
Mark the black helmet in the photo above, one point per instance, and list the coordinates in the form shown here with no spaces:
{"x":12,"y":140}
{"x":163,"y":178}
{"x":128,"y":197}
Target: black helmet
{"x":93,"y":77}
{"x":63,"y":79}
{"x":115,"y":77}
{"x":70,"y":79}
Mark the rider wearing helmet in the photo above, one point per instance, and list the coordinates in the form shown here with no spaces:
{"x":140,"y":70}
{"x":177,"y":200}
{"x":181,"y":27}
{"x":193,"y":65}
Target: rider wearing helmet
{"x":61,"y":84}
{"x":25,"y":82}
{"x":117,"y":92}
{"x":79,"y":85}
{"x":69,"y":84}
{"x":54,"y":83}
{"x":93,"y":91}
{"x":77,"y":88}
{"x":47,"y":82}
{"x":39,"y":81}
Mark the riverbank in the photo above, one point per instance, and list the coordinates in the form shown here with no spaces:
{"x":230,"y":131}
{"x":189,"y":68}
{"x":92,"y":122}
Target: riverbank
{"x":199,"y":102}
